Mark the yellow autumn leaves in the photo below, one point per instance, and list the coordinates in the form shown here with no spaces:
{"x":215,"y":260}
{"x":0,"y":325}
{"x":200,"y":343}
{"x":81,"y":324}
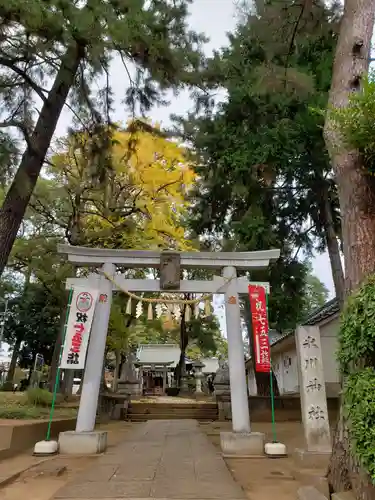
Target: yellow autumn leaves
{"x":130,"y":193}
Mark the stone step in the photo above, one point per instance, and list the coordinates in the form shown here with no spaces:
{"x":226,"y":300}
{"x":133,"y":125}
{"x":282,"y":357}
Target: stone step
{"x":165,"y":408}
{"x":161,"y":416}
{"x":171,"y":412}
{"x":193,"y":414}
{"x":138,"y":412}
{"x":195,"y":404}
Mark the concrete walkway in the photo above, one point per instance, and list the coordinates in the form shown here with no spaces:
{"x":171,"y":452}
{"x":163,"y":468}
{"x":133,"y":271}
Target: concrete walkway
{"x":168,"y":459}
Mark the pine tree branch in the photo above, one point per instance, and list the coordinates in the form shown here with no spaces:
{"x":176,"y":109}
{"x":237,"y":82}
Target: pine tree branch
{"x":40,"y":209}
{"x":294,"y":34}
{"x":8,"y":63}
{"x":302,"y":243}
{"x":21,"y":126}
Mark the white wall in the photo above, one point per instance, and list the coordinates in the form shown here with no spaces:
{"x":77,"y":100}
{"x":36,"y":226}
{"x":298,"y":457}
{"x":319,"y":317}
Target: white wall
{"x":251,"y":382}
{"x":286,"y":370}
{"x":285,"y":364}
{"x":277,"y":365}
{"x":328,"y":338}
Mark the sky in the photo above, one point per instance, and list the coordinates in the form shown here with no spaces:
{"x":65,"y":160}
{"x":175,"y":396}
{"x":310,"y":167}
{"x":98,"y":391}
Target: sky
{"x":215,"y":18}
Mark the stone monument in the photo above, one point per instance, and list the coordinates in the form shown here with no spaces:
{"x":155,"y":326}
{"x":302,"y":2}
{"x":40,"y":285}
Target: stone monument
{"x":313,"y":396}
{"x":222,"y":391}
{"x":129,"y":382}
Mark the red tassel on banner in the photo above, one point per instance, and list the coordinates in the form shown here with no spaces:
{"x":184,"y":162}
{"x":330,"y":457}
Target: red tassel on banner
{"x":258,"y":305}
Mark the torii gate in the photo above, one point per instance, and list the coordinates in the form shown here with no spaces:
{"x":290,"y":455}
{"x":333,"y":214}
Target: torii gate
{"x":228,"y":283}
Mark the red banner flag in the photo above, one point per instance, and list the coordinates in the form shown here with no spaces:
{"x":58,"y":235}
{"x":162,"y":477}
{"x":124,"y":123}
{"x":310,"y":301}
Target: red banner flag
{"x":258,"y":305}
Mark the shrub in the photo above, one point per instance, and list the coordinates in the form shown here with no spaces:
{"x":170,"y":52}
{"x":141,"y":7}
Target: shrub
{"x":39,"y":397}
{"x":357,"y":121}
{"x":7,"y":387}
{"x":356,"y":356}
{"x":21,"y":413}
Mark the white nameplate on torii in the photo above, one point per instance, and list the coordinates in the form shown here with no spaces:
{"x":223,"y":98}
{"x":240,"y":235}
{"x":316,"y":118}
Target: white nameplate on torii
{"x":217,"y":285}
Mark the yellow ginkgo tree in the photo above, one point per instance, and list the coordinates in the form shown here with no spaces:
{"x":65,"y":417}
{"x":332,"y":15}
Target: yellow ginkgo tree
{"x":127,"y":191}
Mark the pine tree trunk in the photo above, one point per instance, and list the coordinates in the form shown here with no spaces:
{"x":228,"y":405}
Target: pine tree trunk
{"x":13,"y":361}
{"x":333,"y":247}
{"x":18,"y":342}
{"x":103,"y":383}
{"x":357,"y":202}
{"x":79,"y":392}
{"x":67,"y":388}
{"x":56,"y":351}
{"x":117,"y":370}
{"x":22,"y":187}
{"x":184,"y":341}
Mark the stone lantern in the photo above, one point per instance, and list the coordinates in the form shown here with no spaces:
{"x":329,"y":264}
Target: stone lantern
{"x":129,"y":382}
{"x":222,"y":391}
{"x":198,"y":365}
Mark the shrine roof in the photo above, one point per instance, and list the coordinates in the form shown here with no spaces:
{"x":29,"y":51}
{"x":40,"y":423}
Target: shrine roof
{"x":211,"y":365}
{"x":158,"y":354}
{"x":169,"y":354}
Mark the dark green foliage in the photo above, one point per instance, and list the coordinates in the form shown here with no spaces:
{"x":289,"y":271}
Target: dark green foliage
{"x":315,"y":293}
{"x":72,"y":45}
{"x":34,"y":316}
{"x":263,"y":164}
{"x":356,"y":356}
{"x":205,"y":338}
{"x":357,"y":122}
{"x":357,"y":331}
{"x":152,"y":35}
{"x":360,"y":412}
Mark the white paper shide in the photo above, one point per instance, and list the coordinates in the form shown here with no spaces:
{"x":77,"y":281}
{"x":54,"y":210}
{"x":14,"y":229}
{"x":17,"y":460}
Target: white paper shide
{"x":78,"y":328}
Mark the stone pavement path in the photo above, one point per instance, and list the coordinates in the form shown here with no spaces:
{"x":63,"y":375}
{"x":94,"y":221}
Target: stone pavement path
{"x":167,"y":459}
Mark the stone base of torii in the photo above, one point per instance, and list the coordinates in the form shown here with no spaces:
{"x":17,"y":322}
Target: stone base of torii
{"x":241,"y":441}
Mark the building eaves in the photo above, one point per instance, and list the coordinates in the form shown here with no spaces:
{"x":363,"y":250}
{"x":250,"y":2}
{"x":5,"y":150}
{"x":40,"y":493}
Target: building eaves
{"x":320,"y":314}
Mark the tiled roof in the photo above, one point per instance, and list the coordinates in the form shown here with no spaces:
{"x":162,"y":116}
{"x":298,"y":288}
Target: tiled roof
{"x":322,"y":313}
{"x":159,"y":353}
{"x":274,"y":336}
{"x":281,"y":337}
{"x":329,"y":309}
{"x":211,"y":365}
{"x":154,"y":354}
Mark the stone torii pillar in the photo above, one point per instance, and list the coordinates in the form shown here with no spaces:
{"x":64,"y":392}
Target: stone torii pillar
{"x":95,"y":354}
{"x":241,"y":441}
{"x":236,"y":359}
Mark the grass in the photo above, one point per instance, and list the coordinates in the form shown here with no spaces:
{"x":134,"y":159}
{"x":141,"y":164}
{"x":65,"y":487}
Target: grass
{"x":16,"y":406}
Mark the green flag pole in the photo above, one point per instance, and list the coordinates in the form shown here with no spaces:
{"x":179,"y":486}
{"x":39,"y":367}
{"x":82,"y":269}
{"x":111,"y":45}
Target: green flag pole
{"x":57,"y":379}
{"x":271,"y":385}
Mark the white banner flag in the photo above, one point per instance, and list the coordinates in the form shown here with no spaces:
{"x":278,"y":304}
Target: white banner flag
{"x":78,"y":328}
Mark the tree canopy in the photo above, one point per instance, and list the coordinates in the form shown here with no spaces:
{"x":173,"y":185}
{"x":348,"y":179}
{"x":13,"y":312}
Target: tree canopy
{"x":138,"y":200}
{"x":264,"y":173}
{"x":58,"y":54}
